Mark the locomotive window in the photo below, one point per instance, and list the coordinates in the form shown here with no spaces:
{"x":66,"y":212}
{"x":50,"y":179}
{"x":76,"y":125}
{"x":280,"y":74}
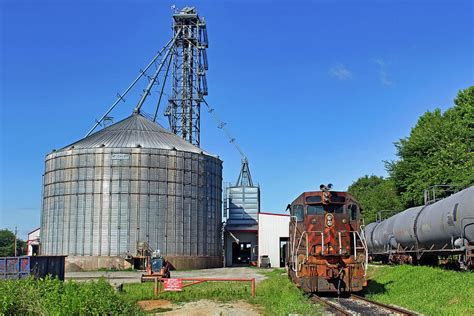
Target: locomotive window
{"x":354,"y":212}
{"x":335,"y":208}
{"x":315,"y":210}
{"x":337,"y":199}
{"x":298,"y":212}
{"x":313,"y":199}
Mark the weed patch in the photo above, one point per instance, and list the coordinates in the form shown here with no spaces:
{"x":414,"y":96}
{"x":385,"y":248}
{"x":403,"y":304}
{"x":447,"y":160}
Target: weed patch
{"x":54,"y":297}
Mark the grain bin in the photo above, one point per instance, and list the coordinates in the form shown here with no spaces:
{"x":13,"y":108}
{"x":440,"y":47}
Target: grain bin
{"x":129,"y":183}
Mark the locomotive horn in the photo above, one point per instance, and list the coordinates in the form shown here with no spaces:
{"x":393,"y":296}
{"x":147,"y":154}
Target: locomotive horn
{"x":325,"y":188}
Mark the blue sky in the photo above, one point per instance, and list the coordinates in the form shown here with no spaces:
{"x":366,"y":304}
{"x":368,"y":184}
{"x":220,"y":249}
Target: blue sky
{"x":314,"y":92}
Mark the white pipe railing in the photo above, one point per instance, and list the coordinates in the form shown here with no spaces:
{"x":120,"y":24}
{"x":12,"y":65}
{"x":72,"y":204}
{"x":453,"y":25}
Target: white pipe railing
{"x":356,"y":235}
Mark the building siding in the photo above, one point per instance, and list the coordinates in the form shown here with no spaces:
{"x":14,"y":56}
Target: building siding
{"x":271,"y":227}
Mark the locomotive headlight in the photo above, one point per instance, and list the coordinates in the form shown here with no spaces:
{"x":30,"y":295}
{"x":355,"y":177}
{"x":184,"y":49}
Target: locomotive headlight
{"x":329,"y":220}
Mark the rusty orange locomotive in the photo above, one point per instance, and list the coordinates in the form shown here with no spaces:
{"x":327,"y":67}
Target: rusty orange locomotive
{"x":327,"y":251}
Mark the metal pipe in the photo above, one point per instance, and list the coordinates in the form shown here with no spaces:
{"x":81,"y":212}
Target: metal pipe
{"x":322,"y":243}
{"x":253,"y":287}
{"x":355,"y":245}
{"x":162,"y":88}
{"x":221,"y":125}
{"x":340,"y":244}
{"x":306,"y":246}
{"x":129,"y":87}
{"x":146,"y":92}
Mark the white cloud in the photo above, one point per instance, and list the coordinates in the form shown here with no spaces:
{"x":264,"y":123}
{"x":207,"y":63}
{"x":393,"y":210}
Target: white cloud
{"x":340,"y":72}
{"x":383,"y":74}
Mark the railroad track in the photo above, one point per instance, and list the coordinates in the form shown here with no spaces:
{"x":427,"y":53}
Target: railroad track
{"x":330,"y":307}
{"x":358,"y":305}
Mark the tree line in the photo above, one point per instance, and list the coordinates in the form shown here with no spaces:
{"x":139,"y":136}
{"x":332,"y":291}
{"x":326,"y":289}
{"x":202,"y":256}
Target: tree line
{"x":439,"y":150}
{"x":7,"y":244}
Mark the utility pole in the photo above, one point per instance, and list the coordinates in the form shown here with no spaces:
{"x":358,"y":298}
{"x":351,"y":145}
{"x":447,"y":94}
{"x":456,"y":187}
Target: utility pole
{"x":16,"y":232}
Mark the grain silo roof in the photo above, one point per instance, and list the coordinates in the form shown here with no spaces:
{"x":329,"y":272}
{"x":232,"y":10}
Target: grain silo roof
{"x":135,"y":131}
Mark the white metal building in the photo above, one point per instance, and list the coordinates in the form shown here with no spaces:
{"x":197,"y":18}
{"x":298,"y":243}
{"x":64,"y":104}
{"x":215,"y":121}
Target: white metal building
{"x":33,"y":242}
{"x":273,"y":232}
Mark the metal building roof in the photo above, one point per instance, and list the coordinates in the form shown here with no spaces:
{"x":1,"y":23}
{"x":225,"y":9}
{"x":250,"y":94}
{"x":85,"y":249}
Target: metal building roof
{"x":135,"y":131}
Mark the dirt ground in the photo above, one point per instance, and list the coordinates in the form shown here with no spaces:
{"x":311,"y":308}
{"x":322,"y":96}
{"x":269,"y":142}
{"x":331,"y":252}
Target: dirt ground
{"x":200,"y":308}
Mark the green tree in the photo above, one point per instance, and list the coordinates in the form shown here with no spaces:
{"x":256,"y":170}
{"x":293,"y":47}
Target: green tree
{"x":7,"y":244}
{"x":374,"y":194}
{"x":439,"y":150}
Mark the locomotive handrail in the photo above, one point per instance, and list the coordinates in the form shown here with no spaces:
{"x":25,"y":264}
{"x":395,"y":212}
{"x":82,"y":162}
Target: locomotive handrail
{"x":353,"y":232}
{"x":294,"y":237}
{"x":366,"y":250}
{"x":299,"y":243}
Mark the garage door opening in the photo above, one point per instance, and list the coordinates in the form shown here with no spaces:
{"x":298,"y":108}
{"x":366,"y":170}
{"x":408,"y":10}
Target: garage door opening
{"x":283,"y":251}
{"x":241,"y":253}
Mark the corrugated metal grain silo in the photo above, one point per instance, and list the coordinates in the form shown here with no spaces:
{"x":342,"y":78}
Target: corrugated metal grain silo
{"x":132,"y":182}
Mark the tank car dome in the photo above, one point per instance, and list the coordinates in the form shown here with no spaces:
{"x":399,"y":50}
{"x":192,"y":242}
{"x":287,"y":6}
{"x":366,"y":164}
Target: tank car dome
{"x":130,"y":184}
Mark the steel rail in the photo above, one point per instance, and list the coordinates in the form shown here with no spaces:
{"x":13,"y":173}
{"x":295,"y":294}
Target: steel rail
{"x":395,"y":309}
{"x":338,"y":310}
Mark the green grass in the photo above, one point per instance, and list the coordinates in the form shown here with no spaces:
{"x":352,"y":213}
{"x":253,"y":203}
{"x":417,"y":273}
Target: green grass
{"x":219,"y":291}
{"x":113,"y":270}
{"x":276,"y":294}
{"x":279,"y":296}
{"x":431,"y":291}
{"x":53,"y":297}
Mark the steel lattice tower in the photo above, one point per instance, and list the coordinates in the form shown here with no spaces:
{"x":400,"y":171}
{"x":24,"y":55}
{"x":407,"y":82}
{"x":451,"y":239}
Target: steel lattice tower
{"x":189,"y":65}
{"x":185,"y":55}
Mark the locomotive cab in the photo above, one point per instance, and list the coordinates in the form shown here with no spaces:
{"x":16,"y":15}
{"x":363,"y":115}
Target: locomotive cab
{"x":327,"y":252}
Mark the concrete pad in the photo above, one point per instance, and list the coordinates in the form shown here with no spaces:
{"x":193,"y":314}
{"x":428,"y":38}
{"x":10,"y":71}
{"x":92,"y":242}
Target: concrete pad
{"x":116,"y":277}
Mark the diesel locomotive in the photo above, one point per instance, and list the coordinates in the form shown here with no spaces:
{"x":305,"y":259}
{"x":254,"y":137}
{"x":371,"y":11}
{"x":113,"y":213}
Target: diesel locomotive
{"x":327,"y":251}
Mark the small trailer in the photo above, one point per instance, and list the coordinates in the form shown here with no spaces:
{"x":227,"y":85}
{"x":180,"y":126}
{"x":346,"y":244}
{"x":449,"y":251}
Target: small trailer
{"x":36,"y":266}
